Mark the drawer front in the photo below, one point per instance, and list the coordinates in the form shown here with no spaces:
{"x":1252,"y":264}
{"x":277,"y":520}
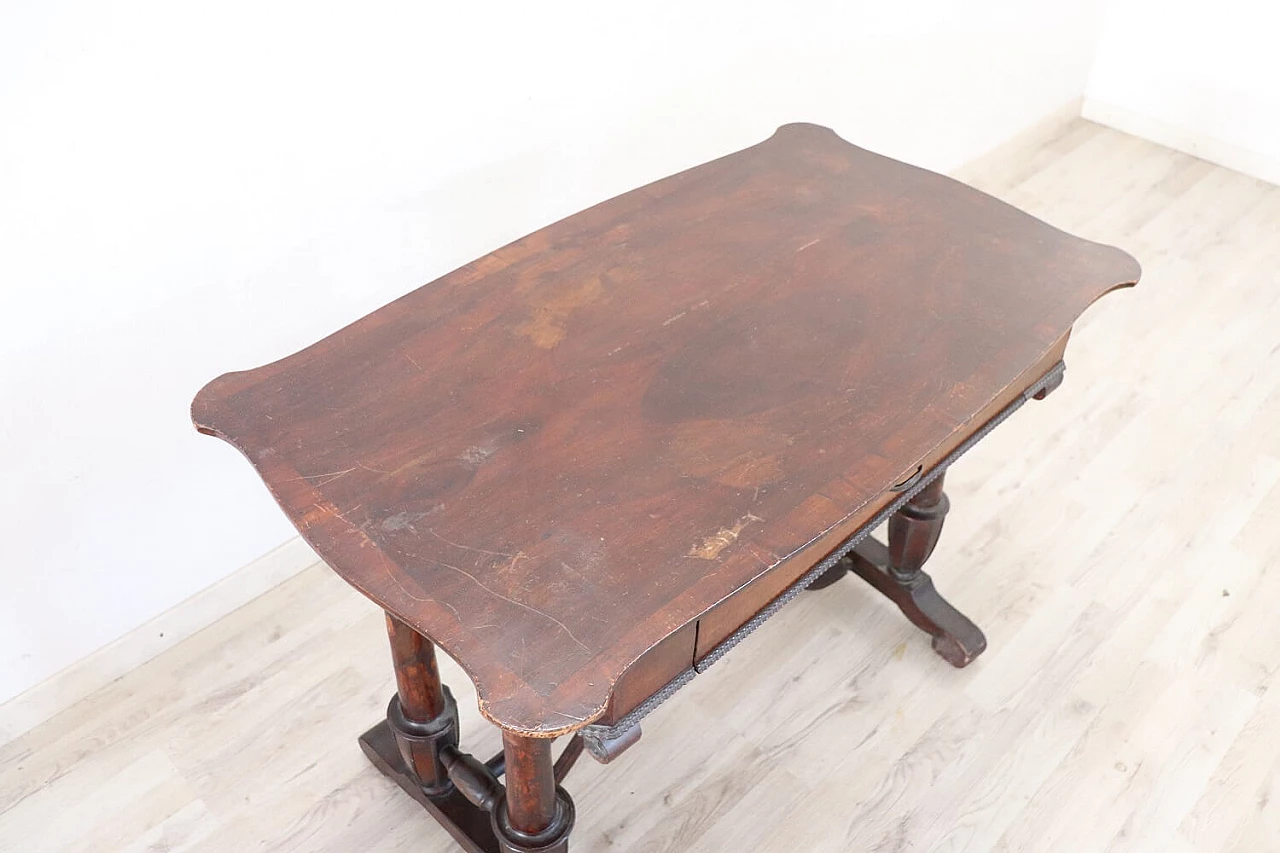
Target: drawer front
{"x":651,"y":673}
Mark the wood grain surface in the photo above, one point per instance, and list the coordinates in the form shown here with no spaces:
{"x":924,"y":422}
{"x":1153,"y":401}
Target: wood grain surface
{"x":554,"y":458}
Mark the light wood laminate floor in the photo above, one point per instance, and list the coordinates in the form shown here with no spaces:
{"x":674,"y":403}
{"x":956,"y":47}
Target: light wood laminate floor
{"x":1119,"y":543}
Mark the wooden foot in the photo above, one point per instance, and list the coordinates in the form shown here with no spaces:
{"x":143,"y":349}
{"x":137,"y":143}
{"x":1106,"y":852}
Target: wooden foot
{"x":471,"y":827}
{"x":897,"y":572}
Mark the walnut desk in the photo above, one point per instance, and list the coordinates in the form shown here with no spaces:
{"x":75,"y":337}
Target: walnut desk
{"x":587,"y":464}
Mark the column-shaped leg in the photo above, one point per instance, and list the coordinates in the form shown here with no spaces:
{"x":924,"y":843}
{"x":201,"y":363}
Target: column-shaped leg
{"x":422,"y":715}
{"x":898,"y":573}
{"x":535,"y":815}
{"x":914,"y":531}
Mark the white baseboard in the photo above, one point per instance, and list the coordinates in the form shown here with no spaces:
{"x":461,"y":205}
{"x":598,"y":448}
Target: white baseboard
{"x":1252,"y":163}
{"x":63,"y":689}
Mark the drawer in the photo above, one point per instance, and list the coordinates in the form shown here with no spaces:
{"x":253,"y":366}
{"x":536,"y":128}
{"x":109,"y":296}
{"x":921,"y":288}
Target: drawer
{"x":651,"y":673}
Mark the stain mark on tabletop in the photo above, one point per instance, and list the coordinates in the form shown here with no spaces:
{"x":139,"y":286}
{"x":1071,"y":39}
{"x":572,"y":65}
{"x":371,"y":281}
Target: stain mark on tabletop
{"x":710,"y":548}
{"x":547,"y":325}
{"x":477,"y":455}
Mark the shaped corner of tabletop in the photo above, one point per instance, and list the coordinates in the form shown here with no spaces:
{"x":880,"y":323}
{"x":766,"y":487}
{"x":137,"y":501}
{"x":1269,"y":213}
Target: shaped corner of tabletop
{"x":1115,"y":265}
{"x":209,"y":407}
{"x":803,"y":129}
{"x":1099,"y":267}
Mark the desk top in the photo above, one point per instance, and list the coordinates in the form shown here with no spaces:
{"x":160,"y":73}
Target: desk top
{"x":555,"y":457}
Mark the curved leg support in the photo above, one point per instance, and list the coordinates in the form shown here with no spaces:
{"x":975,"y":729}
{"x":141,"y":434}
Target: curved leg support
{"x":897,"y":572}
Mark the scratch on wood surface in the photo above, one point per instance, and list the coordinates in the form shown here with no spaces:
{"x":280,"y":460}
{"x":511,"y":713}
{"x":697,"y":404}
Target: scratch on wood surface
{"x":327,"y":477}
{"x":404,"y":519}
{"x":812,"y":242}
{"x":414,"y":363}
{"x":670,"y":320}
{"x":569,"y":716}
{"x":333,"y":510}
{"x":711,"y":547}
{"x":391,"y":576}
{"x":519,"y":604}
{"x":387,"y":569}
{"x":365,"y":539}
{"x":469,"y":548}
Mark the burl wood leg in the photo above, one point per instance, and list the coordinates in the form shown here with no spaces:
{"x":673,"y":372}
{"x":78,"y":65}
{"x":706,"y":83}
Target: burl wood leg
{"x":898,"y":573}
{"x":534,"y":815}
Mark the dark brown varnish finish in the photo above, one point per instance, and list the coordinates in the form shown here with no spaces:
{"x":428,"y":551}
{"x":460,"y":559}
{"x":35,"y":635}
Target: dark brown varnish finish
{"x":645,"y":420}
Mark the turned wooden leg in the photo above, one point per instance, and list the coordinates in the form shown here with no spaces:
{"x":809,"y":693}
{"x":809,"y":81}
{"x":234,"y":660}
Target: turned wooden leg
{"x":898,"y":573}
{"x":534,"y":815}
{"x":914,"y":530}
{"x":422,"y":715}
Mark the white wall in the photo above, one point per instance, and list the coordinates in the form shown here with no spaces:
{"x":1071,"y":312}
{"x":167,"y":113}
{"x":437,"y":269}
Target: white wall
{"x":191,"y":188}
{"x":1202,"y":76}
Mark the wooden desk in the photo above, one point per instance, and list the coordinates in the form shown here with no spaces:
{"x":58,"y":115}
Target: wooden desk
{"x":588,"y":463}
